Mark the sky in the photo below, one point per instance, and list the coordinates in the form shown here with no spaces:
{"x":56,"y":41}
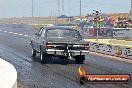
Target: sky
{"x":20,"y":8}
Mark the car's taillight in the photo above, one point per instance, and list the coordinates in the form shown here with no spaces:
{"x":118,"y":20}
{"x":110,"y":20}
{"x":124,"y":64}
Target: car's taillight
{"x":86,"y":46}
{"x":49,"y":45}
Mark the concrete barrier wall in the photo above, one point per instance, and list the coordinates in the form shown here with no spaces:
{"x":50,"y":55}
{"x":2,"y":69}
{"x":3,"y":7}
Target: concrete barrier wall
{"x":118,"y":50}
{"x":123,"y":42}
{"x":8,"y":75}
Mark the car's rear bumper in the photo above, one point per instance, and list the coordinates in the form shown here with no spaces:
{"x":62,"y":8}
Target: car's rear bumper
{"x":67,"y":52}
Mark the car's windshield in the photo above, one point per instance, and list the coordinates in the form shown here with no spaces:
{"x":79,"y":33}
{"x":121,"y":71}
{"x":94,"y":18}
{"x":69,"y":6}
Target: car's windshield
{"x":63,"y":33}
{"x":66,"y":25}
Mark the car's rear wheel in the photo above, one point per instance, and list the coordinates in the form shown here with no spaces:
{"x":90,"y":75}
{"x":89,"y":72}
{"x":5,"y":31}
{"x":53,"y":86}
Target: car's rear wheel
{"x":79,"y":59}
{"x":44,"y":57}
{"x":34,"y":52}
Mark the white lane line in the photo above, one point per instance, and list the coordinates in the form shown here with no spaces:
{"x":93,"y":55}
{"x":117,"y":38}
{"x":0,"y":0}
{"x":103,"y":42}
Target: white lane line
{"x":20,"y":34}
{"x":15,"y":33}
{"x":25,"y":35}
{"x":10,"y":32}
{"x":5,"y":31}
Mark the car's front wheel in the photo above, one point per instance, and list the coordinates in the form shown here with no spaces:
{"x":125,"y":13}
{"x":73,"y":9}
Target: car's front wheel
{"x":34,"y":52}
{"x":79,"y":59}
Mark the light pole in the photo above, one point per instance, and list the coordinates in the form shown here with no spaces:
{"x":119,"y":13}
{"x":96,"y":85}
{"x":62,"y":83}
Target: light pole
{"x":32,"y":12}
{"x":63,"y":9}
{"x":131,"y":9}
{"x":58,"y":8}
{"x":80,"y":8}
{"x":96,"y":22}
{"x":32,"y":8}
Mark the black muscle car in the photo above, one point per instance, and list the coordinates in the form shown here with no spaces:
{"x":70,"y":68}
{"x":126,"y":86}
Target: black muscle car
{"x":59,"y":41}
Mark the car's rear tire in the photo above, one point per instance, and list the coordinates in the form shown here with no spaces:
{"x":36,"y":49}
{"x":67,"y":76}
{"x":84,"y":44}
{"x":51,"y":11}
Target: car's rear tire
{"x":34,"y":52}
{"x":43,"y":57}
{"x":79,"y":59}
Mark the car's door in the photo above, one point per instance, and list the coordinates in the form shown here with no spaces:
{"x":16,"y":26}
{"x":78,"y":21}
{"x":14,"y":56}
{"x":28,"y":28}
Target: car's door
{"x":38,"y":39}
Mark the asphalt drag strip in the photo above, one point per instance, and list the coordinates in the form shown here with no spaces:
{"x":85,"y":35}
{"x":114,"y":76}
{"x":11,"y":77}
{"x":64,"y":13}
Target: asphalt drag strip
{"x":57,"y":72}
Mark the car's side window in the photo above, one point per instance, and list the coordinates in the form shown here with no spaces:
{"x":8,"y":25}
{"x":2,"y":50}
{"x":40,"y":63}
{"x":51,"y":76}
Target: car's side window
{"x":43,"y":33}
{"x":40,"y":31}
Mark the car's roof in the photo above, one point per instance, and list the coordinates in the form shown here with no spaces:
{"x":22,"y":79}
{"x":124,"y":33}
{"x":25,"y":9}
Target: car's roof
{"x":60,"y":27}
{"x":63,"y":27}
{"x":66,"y":25}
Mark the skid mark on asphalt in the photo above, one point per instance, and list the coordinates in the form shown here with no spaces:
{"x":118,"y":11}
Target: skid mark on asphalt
{"x":14,"y":33}
{"x":29,"y":73}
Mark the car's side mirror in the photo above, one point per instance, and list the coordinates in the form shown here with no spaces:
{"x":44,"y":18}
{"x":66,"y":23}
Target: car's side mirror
{"x":36,"y":34}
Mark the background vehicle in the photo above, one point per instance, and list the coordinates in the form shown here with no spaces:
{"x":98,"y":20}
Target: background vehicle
{"x":59,"y":41}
